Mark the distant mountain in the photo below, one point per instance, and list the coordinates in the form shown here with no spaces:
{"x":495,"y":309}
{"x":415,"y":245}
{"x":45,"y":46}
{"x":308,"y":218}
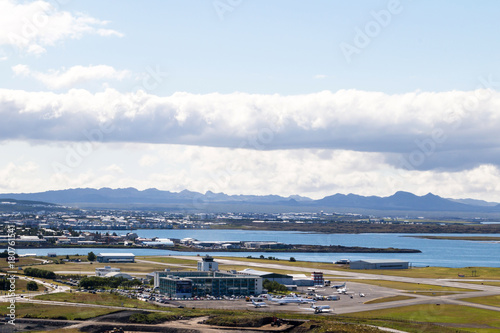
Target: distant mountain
{"x":398,"y":201}
{"x":10,"y":205}
{"x":128,"y":197}
{"x":475,"y":202}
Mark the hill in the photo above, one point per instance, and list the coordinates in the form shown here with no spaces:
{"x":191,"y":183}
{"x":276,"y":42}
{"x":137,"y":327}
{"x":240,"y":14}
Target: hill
{"x":131,"y":198}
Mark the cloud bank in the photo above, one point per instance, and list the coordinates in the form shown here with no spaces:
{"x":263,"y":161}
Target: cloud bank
{"x":431,"y":128}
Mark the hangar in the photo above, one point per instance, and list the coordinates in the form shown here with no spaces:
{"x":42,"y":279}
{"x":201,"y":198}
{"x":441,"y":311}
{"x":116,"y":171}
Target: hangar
{"x":379,"y":264}
{"x":280,"y":278}
{"x":115,"y":257}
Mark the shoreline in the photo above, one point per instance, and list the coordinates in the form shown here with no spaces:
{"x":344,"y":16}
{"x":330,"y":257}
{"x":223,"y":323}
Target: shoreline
{"x":298,"y":248}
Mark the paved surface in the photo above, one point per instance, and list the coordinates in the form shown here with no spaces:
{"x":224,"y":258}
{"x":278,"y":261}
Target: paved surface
{"x":356,"y":303}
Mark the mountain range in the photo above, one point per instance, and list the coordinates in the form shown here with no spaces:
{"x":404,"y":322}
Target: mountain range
{"x":133,"y":198}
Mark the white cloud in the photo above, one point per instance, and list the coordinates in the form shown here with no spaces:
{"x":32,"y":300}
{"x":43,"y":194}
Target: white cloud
{"x":19,"y":175}
{"x":148,"y":160}
{"x":68,"y":78}
{"x":114,"y":168}
{"x":428,"y":130}
{"x":312,"y":172}
{"x":32,"y":26}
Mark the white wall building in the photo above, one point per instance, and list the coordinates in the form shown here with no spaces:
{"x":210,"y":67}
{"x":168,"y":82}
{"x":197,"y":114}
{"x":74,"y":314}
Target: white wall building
{"x":102,"y":271}
{"x":207,"y":264}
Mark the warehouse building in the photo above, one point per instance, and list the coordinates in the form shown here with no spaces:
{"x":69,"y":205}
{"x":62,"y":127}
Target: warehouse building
{"x":115,"y":257}
{"x":280,"y":278}
{"x":379,"y":264}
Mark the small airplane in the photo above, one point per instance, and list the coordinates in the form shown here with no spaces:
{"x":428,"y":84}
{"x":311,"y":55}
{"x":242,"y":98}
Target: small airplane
{"x":319,"y":308}
{"x":294,"y":299}
{"x":342,"y":290}
{"x":258,"y":304}
{"x":339,"y":286}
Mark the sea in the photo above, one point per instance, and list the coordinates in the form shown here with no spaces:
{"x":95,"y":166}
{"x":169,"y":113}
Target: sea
{"x":444,"y":253}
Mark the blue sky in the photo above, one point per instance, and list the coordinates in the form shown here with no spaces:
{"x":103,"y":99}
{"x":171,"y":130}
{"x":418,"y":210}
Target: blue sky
{"x":258,"y":97}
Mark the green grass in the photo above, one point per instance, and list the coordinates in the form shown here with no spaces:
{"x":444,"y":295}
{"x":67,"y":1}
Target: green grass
{"x":486,"y":300}
{"x":432,"y":313}
{"x":388,"y":299}
{"x":24,"y":261}
{"x":424,"y":272}
{"x":86,"y":267}
{"x":99,"y":299}
{"x":411,"y":286}
{"x":170,"y":260}
{"x":441,"y":272}
{"x":44,"y":311}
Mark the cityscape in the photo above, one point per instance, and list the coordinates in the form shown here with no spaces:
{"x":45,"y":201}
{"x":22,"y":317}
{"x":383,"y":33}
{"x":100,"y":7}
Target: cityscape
{"x":249,"y":166}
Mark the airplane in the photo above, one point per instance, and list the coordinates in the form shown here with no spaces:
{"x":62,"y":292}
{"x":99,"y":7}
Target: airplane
{"x":294,"y":299}
{"x":342,"y":290}
{"x":258,"y":304}
{"x":339,"y":286}
{"x":319,"y":308}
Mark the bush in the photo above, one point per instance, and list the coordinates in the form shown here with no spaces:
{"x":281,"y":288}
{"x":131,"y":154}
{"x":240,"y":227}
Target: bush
{"x":32,"y":286}
{"x":41,"y":273}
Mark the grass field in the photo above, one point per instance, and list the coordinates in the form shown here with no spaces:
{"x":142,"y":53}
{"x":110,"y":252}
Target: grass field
{"x":388,"y":299}
{"x":424,"y":272}
{"x":169,"y":260}
{"x":30,"y":310}
{"x":99,"y":299}
{"x":489,"y":300}
{"x":412,"y":286}
{"x":25,"y":261}
{"x":87,"y":267}
{"x":441,"y":272}
{"x":484,"y":320}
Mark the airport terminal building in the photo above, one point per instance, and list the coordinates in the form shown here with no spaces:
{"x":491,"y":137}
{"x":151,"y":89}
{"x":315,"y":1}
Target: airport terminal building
{"x":201,"y":283}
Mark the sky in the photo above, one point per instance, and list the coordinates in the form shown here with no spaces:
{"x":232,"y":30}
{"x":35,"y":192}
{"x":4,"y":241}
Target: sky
{"x":258,"y":97}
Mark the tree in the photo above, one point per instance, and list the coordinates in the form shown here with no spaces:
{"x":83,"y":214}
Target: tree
{"x":91,"y":256}
{"x":273,"y":286}
{"x":32,"y":286}
{"x":292,"y":259}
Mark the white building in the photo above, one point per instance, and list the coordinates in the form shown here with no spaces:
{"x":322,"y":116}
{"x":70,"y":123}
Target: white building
{"x":102,"y":271}
{"x":208,"y":264}
{"x":379,"y":264}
